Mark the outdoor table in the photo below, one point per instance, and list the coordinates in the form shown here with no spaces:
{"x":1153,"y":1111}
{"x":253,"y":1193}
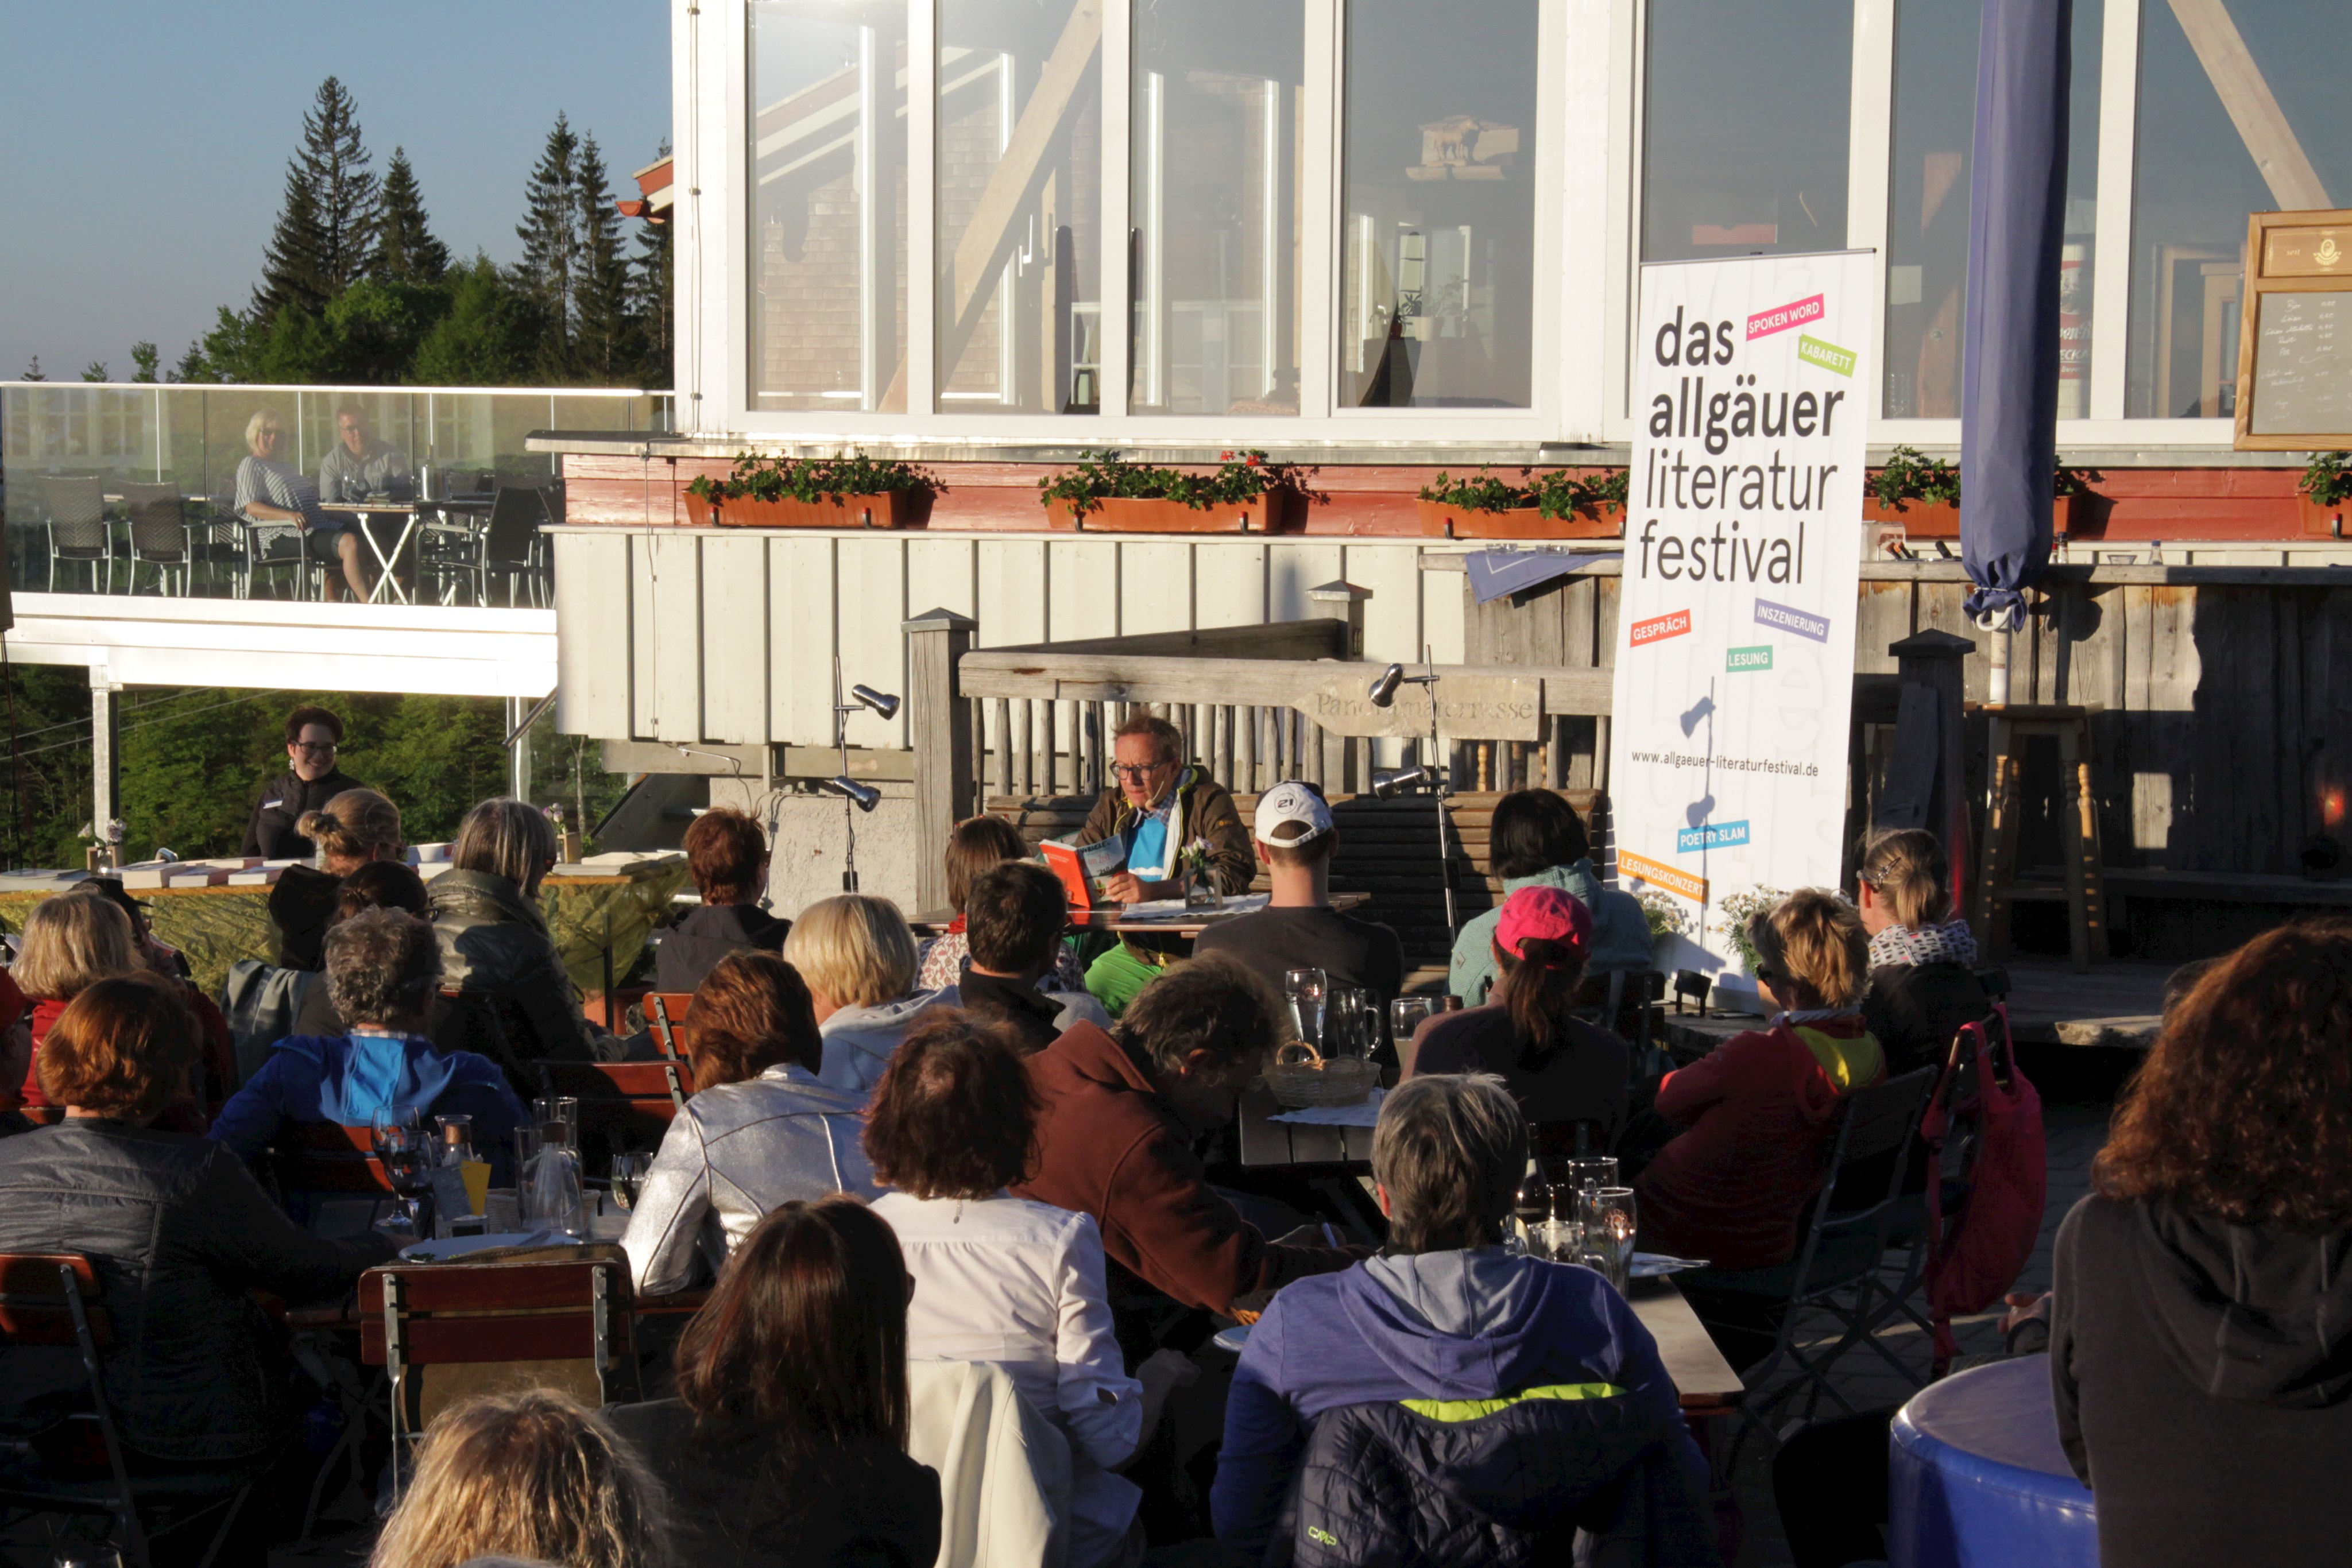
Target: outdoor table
{"x":1976,"y":1476}
{"x":1113,"y":918}
{"x":1266,"y":1142}
{"x":1706,"y":1382}
{"x":408,"y":512}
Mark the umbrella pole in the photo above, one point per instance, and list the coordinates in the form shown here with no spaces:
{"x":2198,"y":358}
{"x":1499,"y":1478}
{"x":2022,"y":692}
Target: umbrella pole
{"x":1998,"y":693}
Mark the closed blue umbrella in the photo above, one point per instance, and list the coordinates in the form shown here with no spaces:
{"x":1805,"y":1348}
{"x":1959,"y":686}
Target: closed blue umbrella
{"x":2009,"y":391}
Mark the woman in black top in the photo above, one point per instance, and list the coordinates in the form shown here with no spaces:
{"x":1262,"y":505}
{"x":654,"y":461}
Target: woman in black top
{"x":786,"y":1444}
{"x":728,"y":856}
{"x":2201,"y":1343}
{"x":356,"y":827}
{"x":1923,"y":984}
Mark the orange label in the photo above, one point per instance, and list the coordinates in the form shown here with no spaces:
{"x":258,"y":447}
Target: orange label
{"x":1643,"y":869}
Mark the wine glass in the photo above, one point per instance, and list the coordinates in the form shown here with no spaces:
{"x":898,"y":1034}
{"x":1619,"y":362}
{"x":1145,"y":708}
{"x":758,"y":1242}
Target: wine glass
{"x":629,"y":1177}
{"x":1305,"y":988}
{"x":406,"y":1157}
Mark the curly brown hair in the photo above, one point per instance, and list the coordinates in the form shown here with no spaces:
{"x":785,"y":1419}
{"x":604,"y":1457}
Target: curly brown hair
{"x":751,"y":1011}
{"x":955,"y":1115}
{"x":2243,"y":1108}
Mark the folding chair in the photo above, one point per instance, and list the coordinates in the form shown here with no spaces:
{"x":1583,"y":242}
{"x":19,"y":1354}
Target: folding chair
{"x":52,"y":1301}
{"x":623,"y":1104}
{"x":415,"y":1316}
{"x":324,"y":1157}
{"x":1842,"y":1248}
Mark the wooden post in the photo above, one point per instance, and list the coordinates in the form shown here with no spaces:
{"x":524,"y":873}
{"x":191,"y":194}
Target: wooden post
{"x":1933,"y":660}
{"x":939,"y":727}
{"x":1340,"y":601}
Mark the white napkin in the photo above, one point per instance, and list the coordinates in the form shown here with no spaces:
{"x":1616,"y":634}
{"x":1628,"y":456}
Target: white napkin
{"x":1365,"y":1115}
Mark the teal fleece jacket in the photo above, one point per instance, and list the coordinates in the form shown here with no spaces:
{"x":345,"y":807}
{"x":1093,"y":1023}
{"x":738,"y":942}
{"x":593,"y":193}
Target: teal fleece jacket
{"x":1621,"y":933}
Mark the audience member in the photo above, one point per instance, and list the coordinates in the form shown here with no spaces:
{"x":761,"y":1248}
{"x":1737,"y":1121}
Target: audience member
{"x":1538,"y":841}
{"x":177,"y":1231}
{"x":760,"y":1129}
{"x":1000,"y":1279}
{"x":727,"y":854}
{"x":70,"y":942}
{"x":314,"y":737}
{"x":210,"y":1088}
{"x":494,"y":941}
{"x":2204,"y":1314}
{"x":357,"y":828}
{"x":976,"y":844}
{"x":1732,"y":1187}
{"x":1557,"y":1371}
{"x":1568,"y":1076}
{"x":269,"y":490}
{"x":1017,"y":909}
{"x":358,"y":467}
{"x":1118,"y":1114}
{"x":1923,"y":984}
{"x":531,"y":1476}
{"x":384,"y":973}
{"x":1299,"y":929}
{"x":787,"y":1443}
{"x":858,"y":958}
{"x":15,"y":1054}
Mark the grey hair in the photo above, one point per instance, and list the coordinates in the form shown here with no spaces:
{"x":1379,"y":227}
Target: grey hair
{"x":383,"y":967}
{"x":1449,"y":1150}
{"x":508,"y":838}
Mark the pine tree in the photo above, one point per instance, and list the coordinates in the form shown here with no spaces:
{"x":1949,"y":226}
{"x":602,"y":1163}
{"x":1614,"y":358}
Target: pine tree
{"x":326,"y":231}
{"x":603,"y":348}
{"x":649,"y":277}
{"x":143,"y":359}
{"x":192,"y":368}
{"x":292,"y":272}
{"x":406,"y":250}
{"x":551,"y":259}
{"x":96,"y":371}
{"x":33,"y":371}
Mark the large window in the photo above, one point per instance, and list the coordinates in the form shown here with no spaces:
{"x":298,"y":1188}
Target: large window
{"x":1744,"y":128}
{"x":1019,"y":307}
{"x":2242,"y":108}
{"x":1437,"y":291}
{"x":1216,"y":145}
{"x":1927,"y":210}
{"x":828,"y":172}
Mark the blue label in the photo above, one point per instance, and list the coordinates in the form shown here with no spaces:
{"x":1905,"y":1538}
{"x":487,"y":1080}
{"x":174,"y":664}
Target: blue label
{"x":1788,"y":619}
{"x":1713,"y":836}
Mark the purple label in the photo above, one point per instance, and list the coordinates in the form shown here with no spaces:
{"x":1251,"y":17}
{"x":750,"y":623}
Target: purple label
{"x":1788,"y":619}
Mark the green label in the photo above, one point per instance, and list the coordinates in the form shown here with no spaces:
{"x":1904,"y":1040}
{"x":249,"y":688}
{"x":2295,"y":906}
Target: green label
{"x":1829,"y":355}
{"x":1740,"y":659}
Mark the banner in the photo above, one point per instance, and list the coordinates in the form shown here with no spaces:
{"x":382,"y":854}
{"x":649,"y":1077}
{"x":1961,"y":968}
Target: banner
{"x":1743,"y":553}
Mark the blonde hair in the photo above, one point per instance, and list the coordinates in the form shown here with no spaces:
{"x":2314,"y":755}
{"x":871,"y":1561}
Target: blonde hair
{"x":352,"y":827}
{"x":263,"y":419}
{"x":856,"y":949}
{"x":533,"y":1475}
{"x":1907,"y":868}
{"x":70,"y":943}
{"x":508,"y":838}
{"x":1815,"y":939}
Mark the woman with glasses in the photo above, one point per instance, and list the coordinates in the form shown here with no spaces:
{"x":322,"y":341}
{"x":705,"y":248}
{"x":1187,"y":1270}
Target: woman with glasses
{"x":314,"y":739}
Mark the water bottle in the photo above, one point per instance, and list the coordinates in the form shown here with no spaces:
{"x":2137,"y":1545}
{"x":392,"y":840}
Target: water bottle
{"x":553,"y":1196}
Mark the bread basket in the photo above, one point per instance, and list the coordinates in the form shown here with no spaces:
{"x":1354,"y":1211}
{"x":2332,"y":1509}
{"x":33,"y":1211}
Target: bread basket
{"x":1302,"y":1076}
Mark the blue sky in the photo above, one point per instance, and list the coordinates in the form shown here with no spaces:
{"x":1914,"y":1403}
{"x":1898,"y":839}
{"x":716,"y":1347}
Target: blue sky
{"x":146,"y":141}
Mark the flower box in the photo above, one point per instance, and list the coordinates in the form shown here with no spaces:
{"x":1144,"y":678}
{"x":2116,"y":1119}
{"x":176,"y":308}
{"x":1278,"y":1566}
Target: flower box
{"x":888,"y":509}
{"x":1139,"y":515}
{"x":1941,"y":519}
{"x":1444,"y":520}
{"x":2323,"y":522}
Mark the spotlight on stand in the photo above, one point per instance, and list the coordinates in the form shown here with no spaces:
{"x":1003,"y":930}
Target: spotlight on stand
{"x":1384,"y":685}
{"x":882,"y":703}
{"x":1389,"y":782}
{"x":865,"y":796}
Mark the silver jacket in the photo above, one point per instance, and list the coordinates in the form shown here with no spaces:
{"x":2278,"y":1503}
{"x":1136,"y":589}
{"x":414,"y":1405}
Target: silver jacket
{"x":737,"y":1151}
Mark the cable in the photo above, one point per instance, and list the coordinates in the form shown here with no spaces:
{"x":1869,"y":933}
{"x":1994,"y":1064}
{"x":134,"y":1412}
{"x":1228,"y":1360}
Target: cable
{"x":128,"y":728}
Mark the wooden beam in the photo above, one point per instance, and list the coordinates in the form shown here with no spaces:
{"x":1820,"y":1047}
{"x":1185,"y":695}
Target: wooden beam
{"x":2254,"y":109}
{"x":1118,"y":677}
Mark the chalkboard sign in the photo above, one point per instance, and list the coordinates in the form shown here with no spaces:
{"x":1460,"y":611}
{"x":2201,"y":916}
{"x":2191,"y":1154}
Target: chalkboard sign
{"x":2294,"y":351}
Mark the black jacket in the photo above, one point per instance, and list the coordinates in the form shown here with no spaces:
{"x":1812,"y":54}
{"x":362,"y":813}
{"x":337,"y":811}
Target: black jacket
{"x":2203,"y":1379}
{"x":1914,"y":1009}
{"x":495,"y":943}
{"x":270,"y":833}
{"x":177,"y":1231}
{"x":1031,"y":1016}
{"x":301,"y":906}
{"x":691,"y":948}
{"x":736,"y":1502}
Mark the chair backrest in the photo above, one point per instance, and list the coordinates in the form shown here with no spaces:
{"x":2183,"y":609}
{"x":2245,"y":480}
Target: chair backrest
{"x":320,"y":1157}
{"x":516,"y":513}
{"x":42,"y":1115}
{"x":1877,"y":1120}
{"x":76,"y":510}
{"x":466,"y":484}
{"x":158,"y":519}
{"x":665,"y":1014}
{"x":445,"y":1314}
{"x":1873,"y":1124}
{"x":623,"y":1104}
{"x":37,"y":1293}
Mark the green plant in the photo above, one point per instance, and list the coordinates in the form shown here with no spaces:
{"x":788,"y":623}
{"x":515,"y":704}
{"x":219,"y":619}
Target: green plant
{"x":1553,"y":494}
{"x":2328,"y":478}
{"x":815,"y":478}
{"x":1910,"y":474}
{"x":1240,"y":477}
{"x":2065,"y":481}
{"x":1738,"y":910}
{"x":1663,"y":913}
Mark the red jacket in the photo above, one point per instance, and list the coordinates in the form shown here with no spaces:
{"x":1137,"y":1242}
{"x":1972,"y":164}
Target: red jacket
{"x":1733,"y":1187}
{"x":214,"y":1071}
{"x":1108,"y":1146}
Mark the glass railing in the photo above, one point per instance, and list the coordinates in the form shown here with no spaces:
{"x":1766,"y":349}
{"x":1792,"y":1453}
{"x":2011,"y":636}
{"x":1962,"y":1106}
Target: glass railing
{"x":247,"y":492}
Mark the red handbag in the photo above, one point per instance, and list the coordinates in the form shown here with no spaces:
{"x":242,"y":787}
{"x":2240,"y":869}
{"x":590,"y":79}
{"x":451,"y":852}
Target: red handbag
{"x":1977,"y":1252}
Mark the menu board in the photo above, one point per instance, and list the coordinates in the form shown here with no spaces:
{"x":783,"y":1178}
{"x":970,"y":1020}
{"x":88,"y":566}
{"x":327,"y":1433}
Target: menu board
{"x":2303,"y":364}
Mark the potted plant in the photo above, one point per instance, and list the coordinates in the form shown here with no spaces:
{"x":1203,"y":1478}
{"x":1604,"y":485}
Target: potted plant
{"x":856,"y":491}
{"x":2070,"y":500}
{"x":1920,"y":492}
{"x":1244,"y":493}
{"x":1554,"y":505}
{"x":2323,"y":492}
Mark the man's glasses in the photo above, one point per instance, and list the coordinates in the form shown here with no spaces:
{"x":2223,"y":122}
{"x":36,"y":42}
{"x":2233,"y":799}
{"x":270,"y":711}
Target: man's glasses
{"x":1137,"y":772}
{"x":316,"y":747}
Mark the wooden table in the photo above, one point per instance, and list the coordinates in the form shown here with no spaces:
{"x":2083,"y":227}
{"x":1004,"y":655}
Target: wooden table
{"x":1113,"y":919}
{"x":1266,"y":1142}
{"x":1706,"y":1382}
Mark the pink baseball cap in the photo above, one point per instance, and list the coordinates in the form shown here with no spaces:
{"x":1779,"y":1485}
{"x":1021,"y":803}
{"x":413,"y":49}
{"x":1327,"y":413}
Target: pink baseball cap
{"x":1547,"y":914}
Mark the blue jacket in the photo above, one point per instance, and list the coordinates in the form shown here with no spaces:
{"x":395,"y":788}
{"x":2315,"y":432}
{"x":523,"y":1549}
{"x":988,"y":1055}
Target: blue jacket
{"x":346,"y":1079}
{"x":1621,"y":932}
{"x":1472,"y":1325}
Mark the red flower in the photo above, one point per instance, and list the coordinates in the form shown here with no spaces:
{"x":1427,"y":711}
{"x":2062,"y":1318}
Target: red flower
{"x":1224,"y":457}
{"x":1255,"y":458}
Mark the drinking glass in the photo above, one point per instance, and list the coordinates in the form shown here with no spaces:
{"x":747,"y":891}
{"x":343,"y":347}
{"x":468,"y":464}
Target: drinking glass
{"x":1534,"y":1208}
{"x":1349,"y":1020}
{"x":1406,"y":1015}
{"x":407,"y":1155}
{"x":552,"y":1196}
{"x":629,"y":1176}
{"x":97,"y":1554}
{"x":558,"y":1116}
{"x":1305,"y":988}
{"x":1608,"y":1231}
{"x":1587,"y":1171}
{"x":457,"y":1138}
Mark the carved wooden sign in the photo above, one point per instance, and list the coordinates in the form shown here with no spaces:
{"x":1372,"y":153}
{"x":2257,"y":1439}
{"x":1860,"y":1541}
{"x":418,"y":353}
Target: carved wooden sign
{"x":1469,"y":708}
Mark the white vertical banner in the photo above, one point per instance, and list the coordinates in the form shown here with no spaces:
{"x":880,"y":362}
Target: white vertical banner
{"x":1743,"y":554}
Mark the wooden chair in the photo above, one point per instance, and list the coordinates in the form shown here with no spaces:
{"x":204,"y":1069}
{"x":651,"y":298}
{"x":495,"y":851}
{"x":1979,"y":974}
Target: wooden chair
{"x":623,"y":1104}
{"x":53,"y":1301}
{"x":415,"y":1316}
{"x":325,"y":1158}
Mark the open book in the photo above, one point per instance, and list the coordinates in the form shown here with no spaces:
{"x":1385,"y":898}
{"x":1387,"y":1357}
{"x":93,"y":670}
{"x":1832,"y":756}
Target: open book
{"x":1085,"y":870}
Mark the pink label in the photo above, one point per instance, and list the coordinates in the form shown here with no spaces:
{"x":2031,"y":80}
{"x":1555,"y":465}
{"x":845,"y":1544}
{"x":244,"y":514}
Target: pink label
{"x":1651,"y":629}
{"x":1764,"y":323}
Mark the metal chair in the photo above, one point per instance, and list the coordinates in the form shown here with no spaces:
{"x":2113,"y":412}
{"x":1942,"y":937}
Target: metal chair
{"x":161,"y":534}
{"x":507,"y":544}
{"x":52,"y":1301}
{"x":74,"y":509}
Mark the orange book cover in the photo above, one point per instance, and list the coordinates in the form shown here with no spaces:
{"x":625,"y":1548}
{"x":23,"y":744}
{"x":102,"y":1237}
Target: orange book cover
{"x":1085,"y":870}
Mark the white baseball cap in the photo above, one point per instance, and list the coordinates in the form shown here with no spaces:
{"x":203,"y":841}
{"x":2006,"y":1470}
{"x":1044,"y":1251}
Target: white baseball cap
{"x":1291,"y":801}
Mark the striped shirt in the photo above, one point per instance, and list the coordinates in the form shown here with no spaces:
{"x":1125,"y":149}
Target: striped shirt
{"x":282,"y":486}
